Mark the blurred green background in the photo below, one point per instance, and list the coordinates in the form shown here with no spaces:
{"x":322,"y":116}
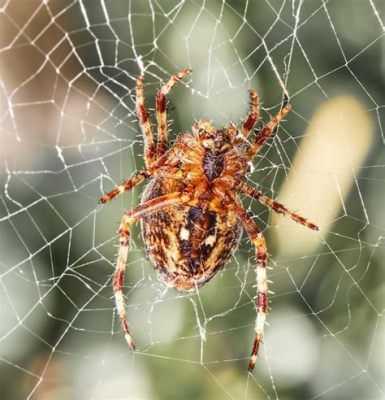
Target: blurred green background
{"x":69,"y":134}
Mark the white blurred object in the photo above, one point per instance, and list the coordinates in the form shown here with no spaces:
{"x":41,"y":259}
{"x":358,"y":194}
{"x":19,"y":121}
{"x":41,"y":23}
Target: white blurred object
{"x":335,"y":145}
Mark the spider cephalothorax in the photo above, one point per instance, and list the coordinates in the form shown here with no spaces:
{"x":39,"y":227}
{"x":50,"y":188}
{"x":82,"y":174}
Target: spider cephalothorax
{"x":192,"y":219}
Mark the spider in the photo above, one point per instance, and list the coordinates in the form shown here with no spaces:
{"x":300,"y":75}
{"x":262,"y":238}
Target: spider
{"x":191,"y":216}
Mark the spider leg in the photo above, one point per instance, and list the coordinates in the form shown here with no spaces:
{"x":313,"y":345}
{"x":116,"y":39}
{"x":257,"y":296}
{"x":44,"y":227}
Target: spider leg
{"x":168,"y":160}
{"x":266,"y":132}
{"x":202,"y":125}
{"x":161,"y":111}
{"x":252,"y":118}
{"x":145,"y":124}
{"x":125,"y":186}
{"x":277,"y":207}
{"x":128,"y":219}
{"x":258,"y":240}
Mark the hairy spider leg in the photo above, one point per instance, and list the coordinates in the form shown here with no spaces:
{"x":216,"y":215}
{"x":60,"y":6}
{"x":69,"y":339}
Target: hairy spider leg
{"x":170,"y":158}
{"x":161,"y":111}
{"x":125,"y":186}
{"x":277,"y":207}
{"x":252,"y":118}
{"x":258,"y":241}
{"x":129,"y":217}
{"x":145,"y":124}
{"x":266,"y":132}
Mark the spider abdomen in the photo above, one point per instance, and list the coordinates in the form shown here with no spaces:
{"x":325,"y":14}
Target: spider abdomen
{"x":187,"y":245}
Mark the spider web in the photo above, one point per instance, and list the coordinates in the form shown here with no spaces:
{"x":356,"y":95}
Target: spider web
{"x":69,"y":134}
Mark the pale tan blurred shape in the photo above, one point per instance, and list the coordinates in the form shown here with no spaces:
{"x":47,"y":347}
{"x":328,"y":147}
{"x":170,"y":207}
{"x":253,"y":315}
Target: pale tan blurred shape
{"x":335,"y":145}
{"x":39,"y":109}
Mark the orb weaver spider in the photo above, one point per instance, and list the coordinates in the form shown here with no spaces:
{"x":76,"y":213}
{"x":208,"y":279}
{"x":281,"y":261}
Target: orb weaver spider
{"x":191,"y":217}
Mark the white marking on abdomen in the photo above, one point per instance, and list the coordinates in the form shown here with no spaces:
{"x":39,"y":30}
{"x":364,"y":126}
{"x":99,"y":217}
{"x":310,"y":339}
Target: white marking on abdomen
{"x":184,"y":233}
{"x":210,"y":240}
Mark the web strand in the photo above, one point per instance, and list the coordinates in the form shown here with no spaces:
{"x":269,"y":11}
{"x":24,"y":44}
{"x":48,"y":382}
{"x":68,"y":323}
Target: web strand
{"x":69,"y":134}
